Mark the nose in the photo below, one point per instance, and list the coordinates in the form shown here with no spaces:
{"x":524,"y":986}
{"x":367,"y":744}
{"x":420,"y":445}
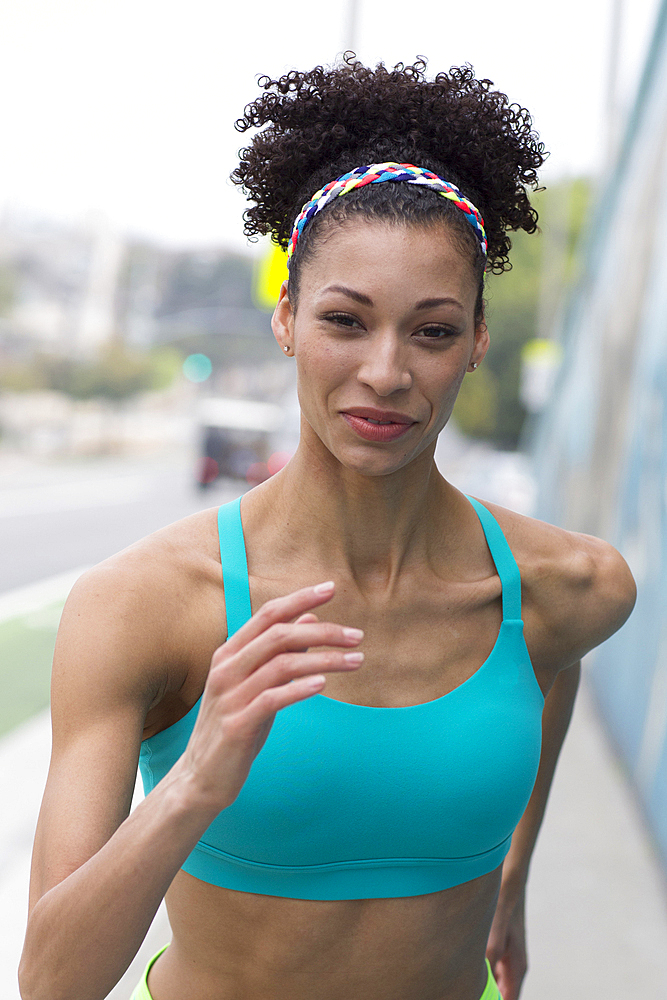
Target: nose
{"x":385,"y":367}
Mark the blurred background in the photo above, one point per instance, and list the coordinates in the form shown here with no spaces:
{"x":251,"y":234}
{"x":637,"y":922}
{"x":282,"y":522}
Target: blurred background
{"x":139,"y":380}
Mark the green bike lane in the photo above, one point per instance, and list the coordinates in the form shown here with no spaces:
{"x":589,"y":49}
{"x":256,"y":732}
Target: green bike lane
{"x":29,"y":619}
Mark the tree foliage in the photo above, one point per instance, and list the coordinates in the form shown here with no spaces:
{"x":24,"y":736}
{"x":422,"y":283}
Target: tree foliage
{"x":489,"y":407}
{"x":7,"y":289}
{"x":115,"y":374}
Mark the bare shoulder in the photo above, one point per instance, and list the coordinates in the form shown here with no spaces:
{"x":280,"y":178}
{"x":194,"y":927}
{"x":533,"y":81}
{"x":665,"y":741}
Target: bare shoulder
{"x":139,"y":611}
{"x":577,"y":589}
{"x":124,"y":651}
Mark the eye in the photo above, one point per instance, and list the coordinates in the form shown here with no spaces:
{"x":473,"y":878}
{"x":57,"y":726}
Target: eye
{"x":437,"y":332}
{"x":342,"y":319}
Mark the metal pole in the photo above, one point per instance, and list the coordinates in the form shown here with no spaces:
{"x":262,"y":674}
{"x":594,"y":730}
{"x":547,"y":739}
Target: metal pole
{"x":613,"y":105}
{"x":350,"y":40}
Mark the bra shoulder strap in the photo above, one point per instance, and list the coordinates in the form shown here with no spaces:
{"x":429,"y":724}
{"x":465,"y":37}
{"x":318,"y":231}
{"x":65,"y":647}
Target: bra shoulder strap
{"x":234,"y":566}
{"x":508,"y":571}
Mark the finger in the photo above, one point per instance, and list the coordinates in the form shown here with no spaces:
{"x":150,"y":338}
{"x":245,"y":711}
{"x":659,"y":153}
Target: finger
{"x":290,"y":667}
{"x":286,"y":638}
{"x":272,"y":699}
{"x":306,"y":620}
{"x":281,"y":609}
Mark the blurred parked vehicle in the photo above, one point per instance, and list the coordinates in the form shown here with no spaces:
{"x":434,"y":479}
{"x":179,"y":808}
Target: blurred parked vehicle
{"x":237,"y":439}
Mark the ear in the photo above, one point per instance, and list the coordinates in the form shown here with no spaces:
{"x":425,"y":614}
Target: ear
{"x":480,"y":344}
{"x":282,"y":321}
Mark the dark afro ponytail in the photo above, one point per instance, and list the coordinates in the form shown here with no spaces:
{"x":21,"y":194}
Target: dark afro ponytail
{"x":317,"y":125}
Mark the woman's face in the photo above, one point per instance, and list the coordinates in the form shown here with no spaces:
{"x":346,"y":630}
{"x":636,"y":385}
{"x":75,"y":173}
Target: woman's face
{"x":383,"y":335}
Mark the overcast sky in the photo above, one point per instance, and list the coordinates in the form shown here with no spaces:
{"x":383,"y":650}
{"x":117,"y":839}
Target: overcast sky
{"x":126,"y":107}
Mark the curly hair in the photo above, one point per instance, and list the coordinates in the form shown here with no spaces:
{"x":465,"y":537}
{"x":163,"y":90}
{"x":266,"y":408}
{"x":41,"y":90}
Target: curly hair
{"x":316,"y":125}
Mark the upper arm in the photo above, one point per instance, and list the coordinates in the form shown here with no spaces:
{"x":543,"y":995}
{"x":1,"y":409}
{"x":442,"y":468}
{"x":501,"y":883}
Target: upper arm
{"x":577,"y":590}
{"x":585,"y":593}
{"x":108,"y":668}
{"x":598,"y":593}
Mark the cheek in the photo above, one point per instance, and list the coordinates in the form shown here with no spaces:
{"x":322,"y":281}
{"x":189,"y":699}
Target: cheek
{"x":442,"y":389}
{"x":321,"y":366}
{"x":455,"y":383}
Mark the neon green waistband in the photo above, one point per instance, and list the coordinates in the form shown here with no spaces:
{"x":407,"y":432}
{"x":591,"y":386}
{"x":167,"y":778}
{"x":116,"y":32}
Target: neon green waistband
{"x":142,"y":992}
{"x":491,"y":991}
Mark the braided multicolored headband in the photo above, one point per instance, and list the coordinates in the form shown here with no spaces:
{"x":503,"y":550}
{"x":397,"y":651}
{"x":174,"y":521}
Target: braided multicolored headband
{"x":374,"y":174}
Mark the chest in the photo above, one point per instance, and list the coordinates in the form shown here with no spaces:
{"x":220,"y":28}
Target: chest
{"x":420,"y":642}
{"x":404,"y":779}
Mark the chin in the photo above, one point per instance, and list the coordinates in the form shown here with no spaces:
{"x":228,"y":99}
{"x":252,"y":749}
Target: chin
{"x":373,"y":465}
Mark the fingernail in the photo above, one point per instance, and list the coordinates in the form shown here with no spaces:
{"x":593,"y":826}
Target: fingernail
{"x":354,"y":657}
{"x":317,"y":681}
{"x":324,"y":588}
{"x":353,"y":633}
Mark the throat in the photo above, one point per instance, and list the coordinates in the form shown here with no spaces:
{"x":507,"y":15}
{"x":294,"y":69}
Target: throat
{"x":372,"y":528}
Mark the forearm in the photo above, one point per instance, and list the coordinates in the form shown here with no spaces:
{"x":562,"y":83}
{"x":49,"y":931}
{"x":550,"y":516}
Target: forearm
{"x":555,"y":722}
{"x":84,"y":932}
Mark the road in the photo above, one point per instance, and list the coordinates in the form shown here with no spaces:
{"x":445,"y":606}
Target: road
{"x":55,"y":517}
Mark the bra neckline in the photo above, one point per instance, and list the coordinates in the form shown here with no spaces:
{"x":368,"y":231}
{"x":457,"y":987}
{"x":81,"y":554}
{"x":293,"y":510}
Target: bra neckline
{"x":506,"y":626}
{"x":500,"y":639}
{"x":233,"y":558}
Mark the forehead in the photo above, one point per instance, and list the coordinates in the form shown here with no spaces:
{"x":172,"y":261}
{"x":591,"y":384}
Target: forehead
{"x":395,"y":259}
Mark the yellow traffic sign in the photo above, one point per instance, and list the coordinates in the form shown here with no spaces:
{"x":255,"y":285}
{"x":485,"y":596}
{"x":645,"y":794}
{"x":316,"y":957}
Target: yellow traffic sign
{"x":269,"y":273}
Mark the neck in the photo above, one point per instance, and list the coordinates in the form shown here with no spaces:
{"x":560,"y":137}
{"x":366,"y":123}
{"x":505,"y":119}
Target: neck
{"x":369,"y":527}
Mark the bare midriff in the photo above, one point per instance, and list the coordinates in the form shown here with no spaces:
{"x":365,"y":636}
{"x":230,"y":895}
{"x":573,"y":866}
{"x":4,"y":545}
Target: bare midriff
{"x":230,"y":945}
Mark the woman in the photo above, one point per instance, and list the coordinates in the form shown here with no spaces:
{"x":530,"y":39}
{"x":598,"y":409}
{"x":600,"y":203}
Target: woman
{"x":358,"y":843}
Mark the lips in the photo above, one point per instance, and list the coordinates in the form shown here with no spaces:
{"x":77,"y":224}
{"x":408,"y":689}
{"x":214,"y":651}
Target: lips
{"x":377,"y":425}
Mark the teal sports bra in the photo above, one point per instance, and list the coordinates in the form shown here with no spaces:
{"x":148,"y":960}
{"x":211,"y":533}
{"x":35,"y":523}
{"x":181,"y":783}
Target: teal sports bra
{"x":349,"y":801}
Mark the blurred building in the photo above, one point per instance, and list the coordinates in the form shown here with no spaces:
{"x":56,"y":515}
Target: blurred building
{"x":600,"y":448}
{"x":59,"y":284}
{"x":72,"y":289}
{"x":181,"y":296}
{"x":69,"y":292}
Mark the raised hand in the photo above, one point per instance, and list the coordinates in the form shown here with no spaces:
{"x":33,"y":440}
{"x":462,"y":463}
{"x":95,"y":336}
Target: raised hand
{"x":271,"y":662}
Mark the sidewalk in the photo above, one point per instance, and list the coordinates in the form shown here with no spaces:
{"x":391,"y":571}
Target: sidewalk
{"x":597,"y":920}
{"x":597,"y":897}
{"x":24,"y":762}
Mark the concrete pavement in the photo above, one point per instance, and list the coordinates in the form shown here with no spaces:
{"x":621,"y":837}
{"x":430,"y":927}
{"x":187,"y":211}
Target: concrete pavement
{"x":597,"y":898}
{"x":56,"y":516}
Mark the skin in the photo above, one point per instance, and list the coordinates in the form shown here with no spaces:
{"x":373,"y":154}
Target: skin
{"x":143,"y":635}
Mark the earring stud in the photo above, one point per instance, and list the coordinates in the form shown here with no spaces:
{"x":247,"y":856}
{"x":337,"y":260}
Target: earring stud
{"x":286,"y":349}
{"x":474,"y":364}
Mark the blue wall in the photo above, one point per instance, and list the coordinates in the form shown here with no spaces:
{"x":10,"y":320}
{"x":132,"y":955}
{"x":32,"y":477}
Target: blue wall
{"x":600,"y":449}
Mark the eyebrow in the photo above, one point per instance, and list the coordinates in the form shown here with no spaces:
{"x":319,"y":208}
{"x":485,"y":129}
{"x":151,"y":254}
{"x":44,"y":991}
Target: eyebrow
{"x":430,"y":303}
{"x":365,"y":300}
